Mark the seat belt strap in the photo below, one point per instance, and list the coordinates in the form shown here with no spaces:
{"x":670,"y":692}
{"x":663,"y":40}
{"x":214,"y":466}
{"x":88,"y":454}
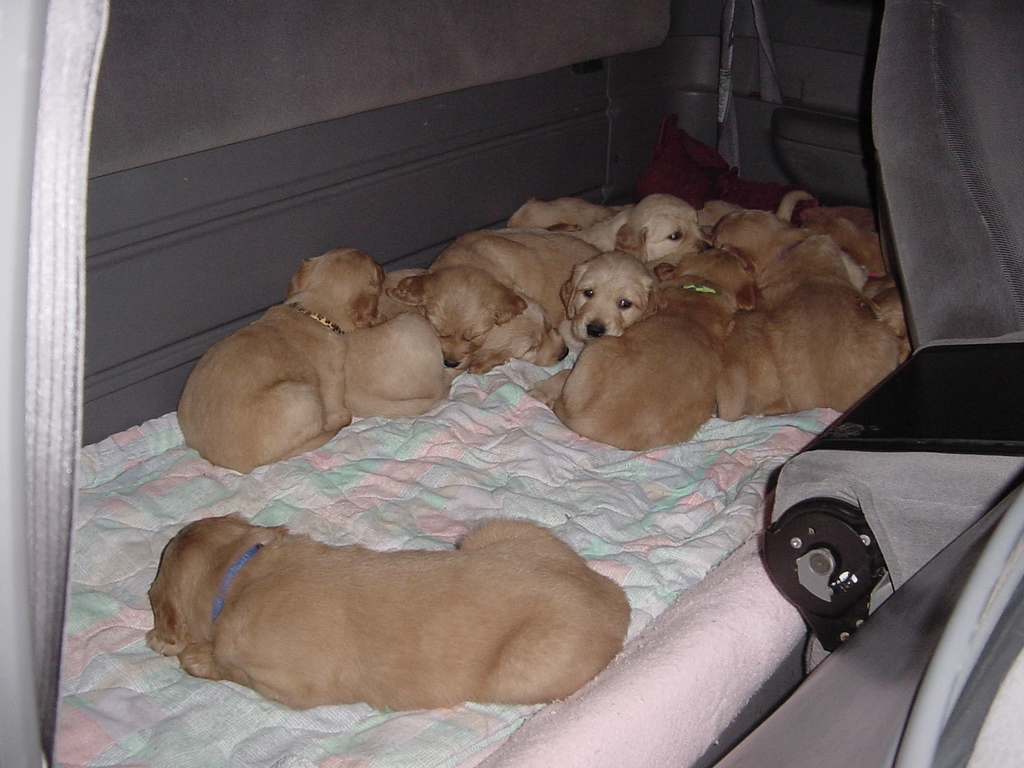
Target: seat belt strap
{"x":728,"y":130}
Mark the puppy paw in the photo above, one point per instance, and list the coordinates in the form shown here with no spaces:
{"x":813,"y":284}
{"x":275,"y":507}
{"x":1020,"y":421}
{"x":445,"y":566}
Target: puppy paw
{"x":549,"y":390}
{"x":198,"y":660}
{"x":158,"y":644}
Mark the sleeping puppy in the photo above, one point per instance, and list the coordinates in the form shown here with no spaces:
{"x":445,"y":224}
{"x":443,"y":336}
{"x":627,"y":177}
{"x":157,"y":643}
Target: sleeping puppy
{"x":885,"y":295}
{"x":714,"y":211}
{"x":607,"y":294}
{"x":395,"y":369}
{"x":512,"y":616}
{"x":759,"y":235}
{"x":276,"y":388}
{"x":528,"y":336}
{"x":564,"y":214}
{"x":862,"y":245}
{"x":762,"y":235}
{"x":534,"y":263}
{"x":655,"y":384}
{"x":660,"y":228}
{"x":814,"y":341}
{"x":462,"y":303}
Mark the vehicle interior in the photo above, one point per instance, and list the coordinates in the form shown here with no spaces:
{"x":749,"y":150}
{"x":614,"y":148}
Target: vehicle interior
{"x":170,"y":166}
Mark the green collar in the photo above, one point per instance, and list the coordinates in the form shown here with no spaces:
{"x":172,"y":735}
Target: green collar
{"x":698,"y":287}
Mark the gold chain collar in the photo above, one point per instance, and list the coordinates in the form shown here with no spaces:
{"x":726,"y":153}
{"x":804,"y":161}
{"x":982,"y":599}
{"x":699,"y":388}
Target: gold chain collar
{"x":324,"y":321}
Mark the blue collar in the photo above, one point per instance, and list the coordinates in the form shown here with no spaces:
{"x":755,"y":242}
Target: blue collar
{"x":229,"y":576}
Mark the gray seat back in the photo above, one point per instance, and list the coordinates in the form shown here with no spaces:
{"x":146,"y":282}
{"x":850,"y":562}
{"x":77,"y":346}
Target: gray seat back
{"x":948,"y":115}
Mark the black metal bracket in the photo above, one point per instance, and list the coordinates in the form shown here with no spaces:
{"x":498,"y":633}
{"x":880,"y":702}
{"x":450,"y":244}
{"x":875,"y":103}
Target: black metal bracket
{"x":823,"y":557}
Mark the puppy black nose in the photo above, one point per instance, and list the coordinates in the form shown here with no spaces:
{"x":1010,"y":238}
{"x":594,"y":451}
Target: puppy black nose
{"x":449,"y":363}
{"x":565,"y":354}
{"x":595,"y":329}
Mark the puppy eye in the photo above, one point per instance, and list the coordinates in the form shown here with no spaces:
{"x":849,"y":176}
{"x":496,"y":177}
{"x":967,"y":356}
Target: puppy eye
{"x":588,"y":292}
{"x":625,"y":304}
{"x":675,"y":235}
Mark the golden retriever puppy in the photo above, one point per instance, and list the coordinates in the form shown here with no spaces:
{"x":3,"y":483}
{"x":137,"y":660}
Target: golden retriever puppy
{"x":862,"y":245}
{"x":512,"y":616}
{"x":655,"y":384}
{"x":533,"y":262}
{"x":462,"y":303}
{"x":813,"y":341}
{"x":712,"y":212}
{"x":564,"y":214}
{"x":395,"y":369}
{"x":276,"y":388}
{"x":389,"y":306}
{"x":528,"y":336}
{"x":885,"y":296}
{"x":762,"y":235}
{"x":607,"y":294}
{"x":660,"y":228}
{"x":759,"y":235}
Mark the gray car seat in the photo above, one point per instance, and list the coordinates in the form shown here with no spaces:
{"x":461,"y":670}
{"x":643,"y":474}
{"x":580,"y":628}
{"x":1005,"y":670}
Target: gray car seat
{"x":931,"y":462}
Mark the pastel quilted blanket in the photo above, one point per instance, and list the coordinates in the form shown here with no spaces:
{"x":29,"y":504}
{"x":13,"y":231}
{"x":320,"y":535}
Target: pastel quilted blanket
{"x":655,"y":522}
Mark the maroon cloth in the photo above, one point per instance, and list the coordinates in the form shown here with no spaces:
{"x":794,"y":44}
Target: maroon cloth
{"x":695,"y":172}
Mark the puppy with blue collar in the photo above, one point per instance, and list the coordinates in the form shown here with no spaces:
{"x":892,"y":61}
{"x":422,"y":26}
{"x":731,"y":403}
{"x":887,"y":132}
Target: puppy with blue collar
{"x":512,"y":615}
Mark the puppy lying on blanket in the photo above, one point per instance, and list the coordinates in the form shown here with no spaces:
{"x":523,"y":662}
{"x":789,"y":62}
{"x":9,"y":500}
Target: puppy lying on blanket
{"x":512,"y":616}
{"x":481,"y":322}
{"x":286,"y":383}
{"x":533,"y":262}
{"x":655,"y":384}
{"x":814,"y":341}
{"x":606,"y":295}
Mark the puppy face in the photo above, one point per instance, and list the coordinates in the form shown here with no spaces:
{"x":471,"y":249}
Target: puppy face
{"x":607,"y":294}
{"x":344,"y":284}
{"x":462,"y":304}
{"x":191,"y":568}
{"x":660,"y":228}
{"x":528,"y":336}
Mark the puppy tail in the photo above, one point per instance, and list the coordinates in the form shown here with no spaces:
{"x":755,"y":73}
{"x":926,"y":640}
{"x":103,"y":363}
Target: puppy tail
{"x":788,"y":203}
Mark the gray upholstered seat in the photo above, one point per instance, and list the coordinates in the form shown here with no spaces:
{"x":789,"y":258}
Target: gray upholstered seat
{"x":928,"y":454}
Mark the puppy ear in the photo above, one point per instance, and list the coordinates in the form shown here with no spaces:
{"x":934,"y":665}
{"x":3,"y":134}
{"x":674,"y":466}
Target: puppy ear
{"x":410,"y":290}
{"x":267,"y":534}
{"x":868,"y":307}
{"x":631,"y":240}
{"x":511,"y":306}
{"x":364,"y":311}
{"x":300,"y":279}
{"x":164,"y":637}
{"x":565,"y":293}
{"x":656,"y":302}
{"x":663,"y":270}
{"x":747,"y":296}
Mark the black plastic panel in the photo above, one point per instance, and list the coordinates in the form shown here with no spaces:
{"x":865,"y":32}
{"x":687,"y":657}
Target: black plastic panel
{"x":962,"y":398}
